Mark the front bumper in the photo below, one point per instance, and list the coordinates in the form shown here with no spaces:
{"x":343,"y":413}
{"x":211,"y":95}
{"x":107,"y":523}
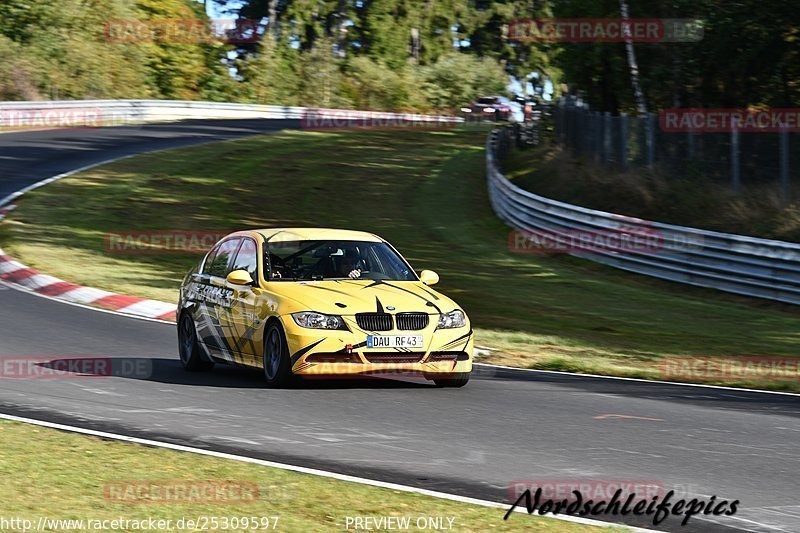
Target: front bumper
{"x":340,"y":352}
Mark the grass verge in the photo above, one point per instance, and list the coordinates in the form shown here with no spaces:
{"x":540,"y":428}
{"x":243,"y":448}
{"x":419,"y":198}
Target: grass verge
{"x":44,"y":475}
{"x":425,"y":192}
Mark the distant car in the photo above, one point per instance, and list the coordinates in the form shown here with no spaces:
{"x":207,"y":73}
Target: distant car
{"x":496,"y":108}
{"x":312,"y":301}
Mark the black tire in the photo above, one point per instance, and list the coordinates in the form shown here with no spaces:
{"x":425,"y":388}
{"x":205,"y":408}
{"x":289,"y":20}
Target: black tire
{"x":188,"y":349}
{"x":458,"y":379}
{"x":277,"y":363}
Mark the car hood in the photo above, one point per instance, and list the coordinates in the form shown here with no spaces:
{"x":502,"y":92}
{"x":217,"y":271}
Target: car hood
{"x":348,"y":297}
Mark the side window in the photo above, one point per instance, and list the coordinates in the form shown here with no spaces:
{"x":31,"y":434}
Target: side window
{"x":210,"y":260}
{"x":219,"y":267}
{"x":247,"y":258}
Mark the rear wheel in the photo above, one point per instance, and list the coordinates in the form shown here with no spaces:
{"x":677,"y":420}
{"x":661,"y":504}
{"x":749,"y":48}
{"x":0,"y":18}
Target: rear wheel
{"x":458,"y":379}
{"x":188,"y":349}
{"x":277,"y":363}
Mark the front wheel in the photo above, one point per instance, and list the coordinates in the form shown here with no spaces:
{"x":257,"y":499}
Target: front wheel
{"x":188,"y":349}
{"x":458,"y":379}
{"x":277,"y":363}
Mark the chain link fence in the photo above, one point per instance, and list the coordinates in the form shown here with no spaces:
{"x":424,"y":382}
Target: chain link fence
{"x":741,"y":159}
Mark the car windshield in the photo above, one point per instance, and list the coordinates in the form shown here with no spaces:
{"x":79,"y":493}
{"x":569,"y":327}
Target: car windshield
{"x":487,"y":100}
{"x":318,"y":260}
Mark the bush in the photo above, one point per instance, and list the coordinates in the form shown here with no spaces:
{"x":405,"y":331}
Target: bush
{"x":372,"y":85}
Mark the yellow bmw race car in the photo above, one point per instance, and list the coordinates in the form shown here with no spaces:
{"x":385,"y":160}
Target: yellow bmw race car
{"x":319,"y":302}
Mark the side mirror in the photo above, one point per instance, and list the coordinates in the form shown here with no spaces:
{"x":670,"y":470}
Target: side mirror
{"x":429,"y":277}
{"x":240,"y":277}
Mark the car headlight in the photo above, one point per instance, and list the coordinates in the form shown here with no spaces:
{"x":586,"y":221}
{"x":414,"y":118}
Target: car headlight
{"x":466,"y":110}
{"x":453,"y":319}
{"x":488,"y":110}
{"x":310,"y":319}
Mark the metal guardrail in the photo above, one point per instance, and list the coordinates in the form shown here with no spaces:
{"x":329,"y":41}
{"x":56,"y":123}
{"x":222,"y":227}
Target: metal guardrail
{"x":750,"y":266}
{"x":116,"y":112}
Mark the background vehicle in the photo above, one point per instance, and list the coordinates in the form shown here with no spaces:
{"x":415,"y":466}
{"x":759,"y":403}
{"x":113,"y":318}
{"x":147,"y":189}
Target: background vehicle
{"x":496,"y":108}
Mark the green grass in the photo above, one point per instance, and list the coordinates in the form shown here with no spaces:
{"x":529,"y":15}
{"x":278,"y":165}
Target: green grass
{"x":425,"y":192}
{"x":44,"y":474}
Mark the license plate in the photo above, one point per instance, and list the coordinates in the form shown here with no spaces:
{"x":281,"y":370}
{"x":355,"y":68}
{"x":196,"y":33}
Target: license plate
{"x":394,"y":341}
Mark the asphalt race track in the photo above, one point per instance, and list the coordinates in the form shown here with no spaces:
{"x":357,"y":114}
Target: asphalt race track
{"x":504,"y":426}
{"x":28,"y":157}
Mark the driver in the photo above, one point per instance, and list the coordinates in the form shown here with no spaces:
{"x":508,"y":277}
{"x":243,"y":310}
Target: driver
{"x":347,"y":265}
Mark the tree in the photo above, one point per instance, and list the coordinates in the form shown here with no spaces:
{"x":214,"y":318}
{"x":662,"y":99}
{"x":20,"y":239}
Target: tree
{"x":270,"y":76}
{"x":321,"y":78}
{"x":633,"y":67}
{"x":67,"y":50}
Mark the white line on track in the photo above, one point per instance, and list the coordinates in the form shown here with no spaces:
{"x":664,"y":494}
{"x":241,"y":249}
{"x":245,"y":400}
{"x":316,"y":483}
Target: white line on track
{"x":305,"y":470}
{"x":598,"y":376}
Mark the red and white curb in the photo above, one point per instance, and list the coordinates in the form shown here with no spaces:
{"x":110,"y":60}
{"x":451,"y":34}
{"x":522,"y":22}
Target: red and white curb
{"x":16,"y":273}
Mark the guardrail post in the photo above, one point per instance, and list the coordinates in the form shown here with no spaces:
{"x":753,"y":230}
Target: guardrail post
{"x":606,"y":137}
{"x":786,"y":193}
{"x":736,"y":177}
{"x":623,"y":141}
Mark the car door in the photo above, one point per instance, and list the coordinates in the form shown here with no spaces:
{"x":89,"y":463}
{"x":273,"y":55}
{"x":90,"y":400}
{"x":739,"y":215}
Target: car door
{"x":239,"y":321}
{"x":216,"y":297}
{"x":198,"y":297}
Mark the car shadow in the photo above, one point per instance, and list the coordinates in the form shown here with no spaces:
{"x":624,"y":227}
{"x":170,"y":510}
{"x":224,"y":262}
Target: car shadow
{"x":170,"y":371}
